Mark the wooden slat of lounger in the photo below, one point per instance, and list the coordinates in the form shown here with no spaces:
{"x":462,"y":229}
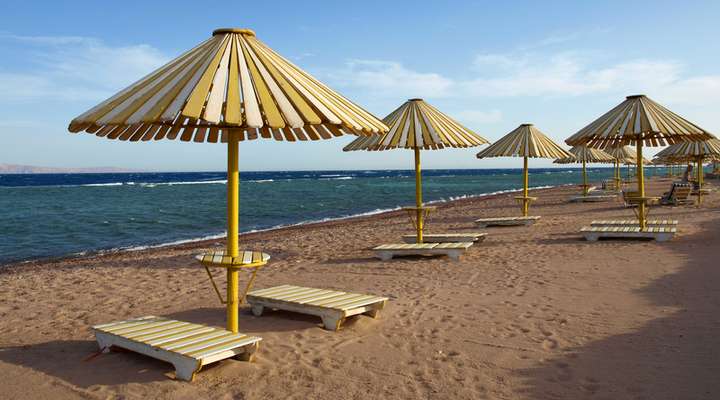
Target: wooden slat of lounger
{"x":136,"y":327}
{"x":317,"y":296}
{"x":199,"y":340}
{"x":348,"y":300}
{"x":206,"y":344}
{"x":403,"y":246}
{"x":327,"y":297}
{"x":178,"y":340}
{"x":299,"y":294}
{"x":360,"y":303}
{"x":121,"y":324}
{"x":457,"y":245}
{"x":327,"y":303}
{"x":218,"y":348}
{"x":282,"y":291}
{"x":156,"y":330}
{"x":260,"y":292}
{"x":174,"y":334}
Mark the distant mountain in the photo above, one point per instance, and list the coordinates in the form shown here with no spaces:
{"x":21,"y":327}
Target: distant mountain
{"x":33,"y":169}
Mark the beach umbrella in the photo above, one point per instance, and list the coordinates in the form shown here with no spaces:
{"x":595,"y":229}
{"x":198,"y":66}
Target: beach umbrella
{"x":584,"y":155}
{"x":417,"y":125}
{"x":641,"y":121}
{"x":692,"y":152}
{"x":525,"y":141}
{"x":229,"y":88}
{"x":621,"y":155}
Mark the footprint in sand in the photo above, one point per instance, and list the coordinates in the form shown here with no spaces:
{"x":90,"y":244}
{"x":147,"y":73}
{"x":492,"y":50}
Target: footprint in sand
{"x":549,"y":344}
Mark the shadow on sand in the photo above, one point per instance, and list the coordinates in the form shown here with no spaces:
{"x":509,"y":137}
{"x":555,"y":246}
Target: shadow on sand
{"x":674,"y":356}
{"x":77,"y":361}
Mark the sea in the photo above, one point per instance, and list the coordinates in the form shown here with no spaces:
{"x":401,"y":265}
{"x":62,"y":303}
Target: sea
{"x":60,"y":215}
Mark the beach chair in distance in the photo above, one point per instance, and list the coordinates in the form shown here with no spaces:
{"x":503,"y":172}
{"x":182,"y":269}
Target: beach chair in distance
{"x":507,"y":221}
{"x":658,"y":233}
{"x":330,"y":305}
{"x":679,"y":194}
{"x":634,"y":222}
{"x":447,"y":237}
{"x":386,"y":252}
{"x":187,"y":346}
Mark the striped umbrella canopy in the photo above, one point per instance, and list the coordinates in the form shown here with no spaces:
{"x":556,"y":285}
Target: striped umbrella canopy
{"x":692,"y":151}
{"x":525,"y":141}
{"x":584,"y":155}
{"x":641,"y":121}
{"x":621,"y":153}
{"x":417,"y":125}
{"x":230,"y":83}
{"x":230,"y":87}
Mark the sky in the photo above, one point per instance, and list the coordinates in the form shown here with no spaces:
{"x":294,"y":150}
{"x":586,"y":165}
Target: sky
{"x":490,"y":65}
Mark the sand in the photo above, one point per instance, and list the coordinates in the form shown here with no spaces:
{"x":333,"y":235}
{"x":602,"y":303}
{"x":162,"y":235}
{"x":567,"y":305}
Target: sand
{"x":530,"y":313}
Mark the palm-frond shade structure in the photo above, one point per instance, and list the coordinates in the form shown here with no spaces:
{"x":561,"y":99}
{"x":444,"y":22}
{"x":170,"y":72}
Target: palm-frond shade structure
{"x":692,"y":151}
{"x":641,"y":121}
{"x":418,"y":126}
{"x":525,"y":141}
{"x":228,"y":88}
{"x":584,"y":155}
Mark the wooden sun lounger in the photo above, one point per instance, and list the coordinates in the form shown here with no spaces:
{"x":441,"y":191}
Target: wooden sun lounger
{"x":593,"y":198}
{"x":633,"y":222}
{"x":185,"y":345}
{"x":332,"y":306}
{"x":447,"y":237}
{"x":659,"y":233}
{"x":506,"y":221}
{"x":453,"y":250}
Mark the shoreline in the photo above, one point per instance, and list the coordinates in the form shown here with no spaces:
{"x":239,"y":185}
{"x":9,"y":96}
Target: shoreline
{"x":197,"y":242}
{"x":529,"y":313}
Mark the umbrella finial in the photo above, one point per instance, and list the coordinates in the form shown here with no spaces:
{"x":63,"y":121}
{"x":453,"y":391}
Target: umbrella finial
{"x":222,"y":31}
{"x":526,"y":124}
{"x":415,"y":99}
{"x":635,"y":96}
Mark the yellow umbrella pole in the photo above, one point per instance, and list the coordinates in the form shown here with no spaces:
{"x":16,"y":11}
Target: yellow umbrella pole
{"x":585,"y":184}
{"x":232,"y":231}
{"x":617,"y":175}
{"x":418,"y":198}
{"x":699,"y":179}
{"x":525,"y":187}
{"x":641,"y":185}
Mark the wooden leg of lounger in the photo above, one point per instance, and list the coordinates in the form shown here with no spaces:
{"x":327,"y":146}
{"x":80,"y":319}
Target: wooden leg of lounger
{"x":257,"y":310}
{"x":186,"y":368}
{"x":249,"y":354}
{"x":385,"y":255}
{"x":454,"y":255}
{"x":375,"y":313}
{"x":332,"y":323}
{"x":591,"y":238}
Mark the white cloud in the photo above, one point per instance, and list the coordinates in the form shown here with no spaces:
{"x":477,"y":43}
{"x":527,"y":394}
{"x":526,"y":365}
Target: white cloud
{"x":70,"y":68}
{"x":527,"y":74}
{"x":475,"y":117}
{"x":389,"y":78}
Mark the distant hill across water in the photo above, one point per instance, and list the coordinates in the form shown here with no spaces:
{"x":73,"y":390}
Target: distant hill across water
{"x":34,"y":169}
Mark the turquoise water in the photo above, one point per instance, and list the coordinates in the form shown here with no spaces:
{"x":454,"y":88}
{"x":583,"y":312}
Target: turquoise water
{"x":51,"y":215}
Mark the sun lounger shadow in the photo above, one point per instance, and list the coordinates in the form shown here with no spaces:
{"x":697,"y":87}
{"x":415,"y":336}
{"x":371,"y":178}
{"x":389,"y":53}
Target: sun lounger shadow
{"x":248,"y":323}
{"x":68,"y":361}
{"x":352,"y":260}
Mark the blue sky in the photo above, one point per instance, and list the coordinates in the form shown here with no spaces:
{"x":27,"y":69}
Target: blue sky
{"x":490,"y":65}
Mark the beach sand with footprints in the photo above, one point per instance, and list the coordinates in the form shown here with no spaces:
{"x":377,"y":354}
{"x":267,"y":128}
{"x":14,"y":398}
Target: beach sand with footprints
{"x":530,"y":313}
